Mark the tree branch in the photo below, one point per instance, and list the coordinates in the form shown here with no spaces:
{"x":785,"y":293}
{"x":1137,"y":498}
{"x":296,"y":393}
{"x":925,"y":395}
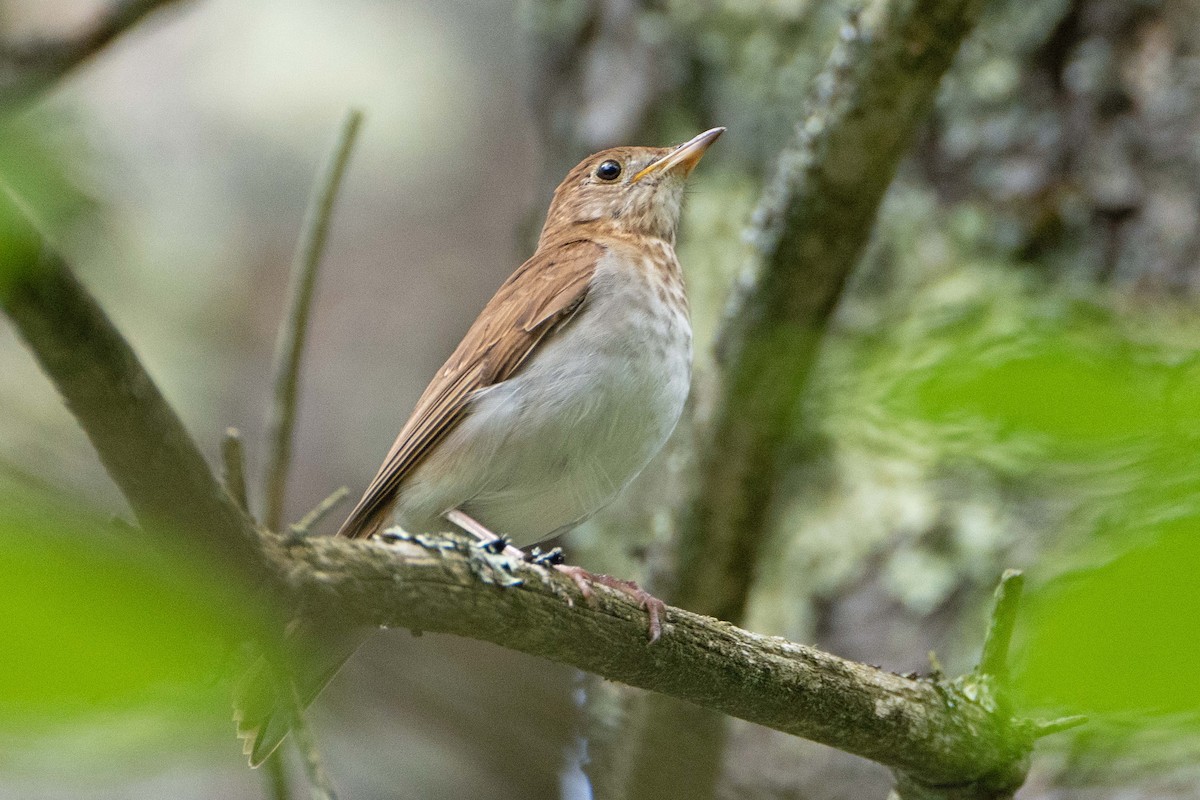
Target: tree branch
{"x":319,"y":512}
{"x":987,"y":686}
{"x":141,"y":442}
{"x":294,"y":330}
{"x":920,"y":728}
{"x":27,"y":68}
{"x":811,"y":225}
{"x":447,"y":584}
{"x":930,"y":731}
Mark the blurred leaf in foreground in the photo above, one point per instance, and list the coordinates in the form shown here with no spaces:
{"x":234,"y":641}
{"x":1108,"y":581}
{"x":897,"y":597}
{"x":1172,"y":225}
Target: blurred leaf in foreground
{"x":1121,"y":418}
{"x":38,"y":195}
{"x":1121,"y":637}
{"x":97,"y":623}
{"x":1083,"y":410}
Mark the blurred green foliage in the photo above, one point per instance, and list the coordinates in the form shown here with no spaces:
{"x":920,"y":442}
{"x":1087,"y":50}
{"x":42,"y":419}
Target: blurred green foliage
{"x":38,"y":195}
{"x":1084,"y":399}
{"x":1120,"y":636}
{"x":98,"y":621}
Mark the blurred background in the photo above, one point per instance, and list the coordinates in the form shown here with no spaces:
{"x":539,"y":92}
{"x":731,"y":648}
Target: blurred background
{"x":1011,"y":378}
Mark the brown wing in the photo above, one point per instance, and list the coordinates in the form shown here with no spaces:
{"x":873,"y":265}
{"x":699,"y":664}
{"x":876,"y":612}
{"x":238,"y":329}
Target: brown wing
{"x":536,"y":299}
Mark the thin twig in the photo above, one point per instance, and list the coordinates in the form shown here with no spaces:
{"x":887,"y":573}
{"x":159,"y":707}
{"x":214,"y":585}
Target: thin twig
{"x":29,"y":67}
{"x":936,"y":670}
{"x":813,"y":221}
{"x":275,"y":775}
{"x":319,"y":512}
{"x":994,"y":661}
{"x":293,"y":332}
{"x":23,"y":477}
{"x":319,"y":784}
{"x":1046,"y":728}
{"x":233,"y":468}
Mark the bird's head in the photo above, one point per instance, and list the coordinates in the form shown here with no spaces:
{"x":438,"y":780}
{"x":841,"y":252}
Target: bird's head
{"x":632,"y":189}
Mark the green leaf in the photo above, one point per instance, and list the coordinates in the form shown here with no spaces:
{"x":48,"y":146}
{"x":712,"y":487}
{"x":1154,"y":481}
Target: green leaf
{"x":37,"y":194}
{"x":1121,"y":637}
{"x":98,"y":621}
{"x":1092,"y":413}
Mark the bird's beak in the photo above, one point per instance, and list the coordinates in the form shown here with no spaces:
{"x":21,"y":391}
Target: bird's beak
{"x":685,"y":157}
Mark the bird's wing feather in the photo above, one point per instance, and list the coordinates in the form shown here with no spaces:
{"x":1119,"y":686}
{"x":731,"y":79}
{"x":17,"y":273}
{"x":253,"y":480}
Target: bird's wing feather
{"x":534,"y":302}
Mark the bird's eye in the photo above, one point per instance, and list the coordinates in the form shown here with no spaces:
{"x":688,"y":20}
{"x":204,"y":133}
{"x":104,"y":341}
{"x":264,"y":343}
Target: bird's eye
{"x":608,"y":171}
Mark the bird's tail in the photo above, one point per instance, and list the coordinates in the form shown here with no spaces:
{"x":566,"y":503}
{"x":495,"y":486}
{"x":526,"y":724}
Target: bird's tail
{"x":262,"y":711}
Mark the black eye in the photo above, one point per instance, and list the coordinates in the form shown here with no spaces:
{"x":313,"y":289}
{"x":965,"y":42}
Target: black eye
{"x":608,"y":171}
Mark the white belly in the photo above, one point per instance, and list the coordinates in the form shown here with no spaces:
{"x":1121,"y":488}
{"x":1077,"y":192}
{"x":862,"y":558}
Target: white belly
{"x":549,"y":447}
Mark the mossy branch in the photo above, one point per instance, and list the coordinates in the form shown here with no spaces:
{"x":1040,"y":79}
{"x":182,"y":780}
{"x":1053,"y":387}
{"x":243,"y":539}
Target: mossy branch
{"x":450,"y":586}
{"x":811,"y":225}
{"x":447,"y":584}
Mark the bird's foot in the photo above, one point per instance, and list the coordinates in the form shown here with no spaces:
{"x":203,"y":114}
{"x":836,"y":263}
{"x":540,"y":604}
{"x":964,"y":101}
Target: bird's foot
{"x":489,"y":541}
{"x":550,"y":558}
{"x":655,"y":609}
{"x":496,"y":545}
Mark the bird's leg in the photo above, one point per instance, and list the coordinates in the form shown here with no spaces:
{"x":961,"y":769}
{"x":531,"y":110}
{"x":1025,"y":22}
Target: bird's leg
{"x":488,"y":540}
{"x":584,"y":580}
{"x":550,"y":558}
{"x":655,"y":609}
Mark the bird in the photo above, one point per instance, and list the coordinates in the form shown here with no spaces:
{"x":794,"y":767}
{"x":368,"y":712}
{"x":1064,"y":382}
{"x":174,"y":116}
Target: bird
{"x":567,"y":384}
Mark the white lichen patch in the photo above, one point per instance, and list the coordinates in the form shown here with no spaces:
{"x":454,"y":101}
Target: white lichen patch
{"x":888,"y":706}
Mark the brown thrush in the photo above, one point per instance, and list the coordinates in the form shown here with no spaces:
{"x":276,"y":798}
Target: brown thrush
{"x":564,"y":388}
